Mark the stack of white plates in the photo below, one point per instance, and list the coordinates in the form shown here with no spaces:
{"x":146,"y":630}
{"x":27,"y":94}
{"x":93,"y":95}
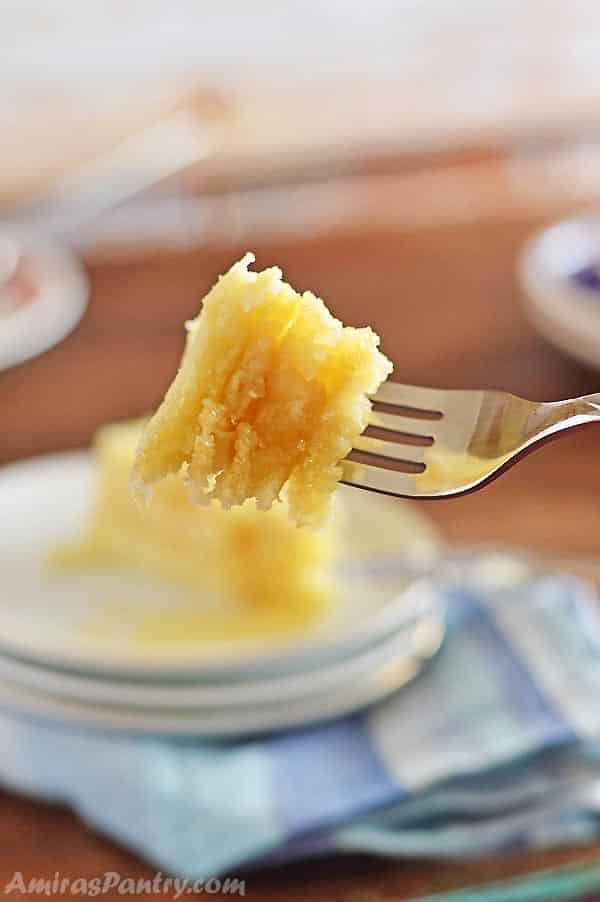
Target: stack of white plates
{"x":388,"y":623}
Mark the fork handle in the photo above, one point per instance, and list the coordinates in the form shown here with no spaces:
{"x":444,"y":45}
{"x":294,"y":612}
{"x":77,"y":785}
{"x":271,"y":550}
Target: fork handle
{"x":588,"y":407}
{"x":592,"y":404}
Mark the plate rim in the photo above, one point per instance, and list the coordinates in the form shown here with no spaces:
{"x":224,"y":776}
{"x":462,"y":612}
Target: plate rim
{"x":274,"y":688}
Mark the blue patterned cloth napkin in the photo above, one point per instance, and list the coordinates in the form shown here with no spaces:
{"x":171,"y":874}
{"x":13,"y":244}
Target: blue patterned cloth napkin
{"x":496,"y":745}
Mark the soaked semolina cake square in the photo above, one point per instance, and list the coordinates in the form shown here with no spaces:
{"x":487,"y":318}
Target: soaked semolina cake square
{"x":259,"y":563}
{"x":270,"y":395}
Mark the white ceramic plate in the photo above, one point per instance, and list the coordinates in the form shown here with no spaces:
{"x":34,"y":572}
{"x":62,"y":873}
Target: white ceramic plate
{"x":420,"y":641}
{"x":560,"y":304}
{"x":45,"y":616}
{"x":59,"y":299}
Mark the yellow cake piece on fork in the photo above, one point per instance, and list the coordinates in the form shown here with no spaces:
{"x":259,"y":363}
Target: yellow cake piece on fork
{"x":271,"y":393}
{"x":259,"y":567}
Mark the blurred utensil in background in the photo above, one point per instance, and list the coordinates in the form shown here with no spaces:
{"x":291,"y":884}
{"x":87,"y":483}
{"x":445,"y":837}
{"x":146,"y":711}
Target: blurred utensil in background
{"x":36,"y":273}
{"x":410,"y":193}
{"x":132,"y":165}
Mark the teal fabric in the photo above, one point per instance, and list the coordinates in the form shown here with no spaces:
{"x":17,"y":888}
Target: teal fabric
{"x":553,"y":885}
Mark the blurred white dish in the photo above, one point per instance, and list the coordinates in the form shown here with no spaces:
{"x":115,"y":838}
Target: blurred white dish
{"x":46,"y":617}
{"x":43,"y":295}
{"x":561,"y":287}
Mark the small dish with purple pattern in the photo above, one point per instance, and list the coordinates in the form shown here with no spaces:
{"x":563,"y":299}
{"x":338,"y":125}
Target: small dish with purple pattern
{"x":559,"y":271}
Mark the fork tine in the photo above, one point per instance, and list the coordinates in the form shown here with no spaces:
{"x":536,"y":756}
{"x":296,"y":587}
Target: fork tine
{"x":390,"y":450}
{"x":393,"y":422}
{"x":433,"y":399}
{"x":377,"y":479}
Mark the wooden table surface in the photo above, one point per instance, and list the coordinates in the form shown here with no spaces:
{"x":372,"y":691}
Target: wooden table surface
{"x":444,"y":298}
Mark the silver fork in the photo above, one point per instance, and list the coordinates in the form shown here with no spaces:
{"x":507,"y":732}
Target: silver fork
{"x":432,"y":443}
